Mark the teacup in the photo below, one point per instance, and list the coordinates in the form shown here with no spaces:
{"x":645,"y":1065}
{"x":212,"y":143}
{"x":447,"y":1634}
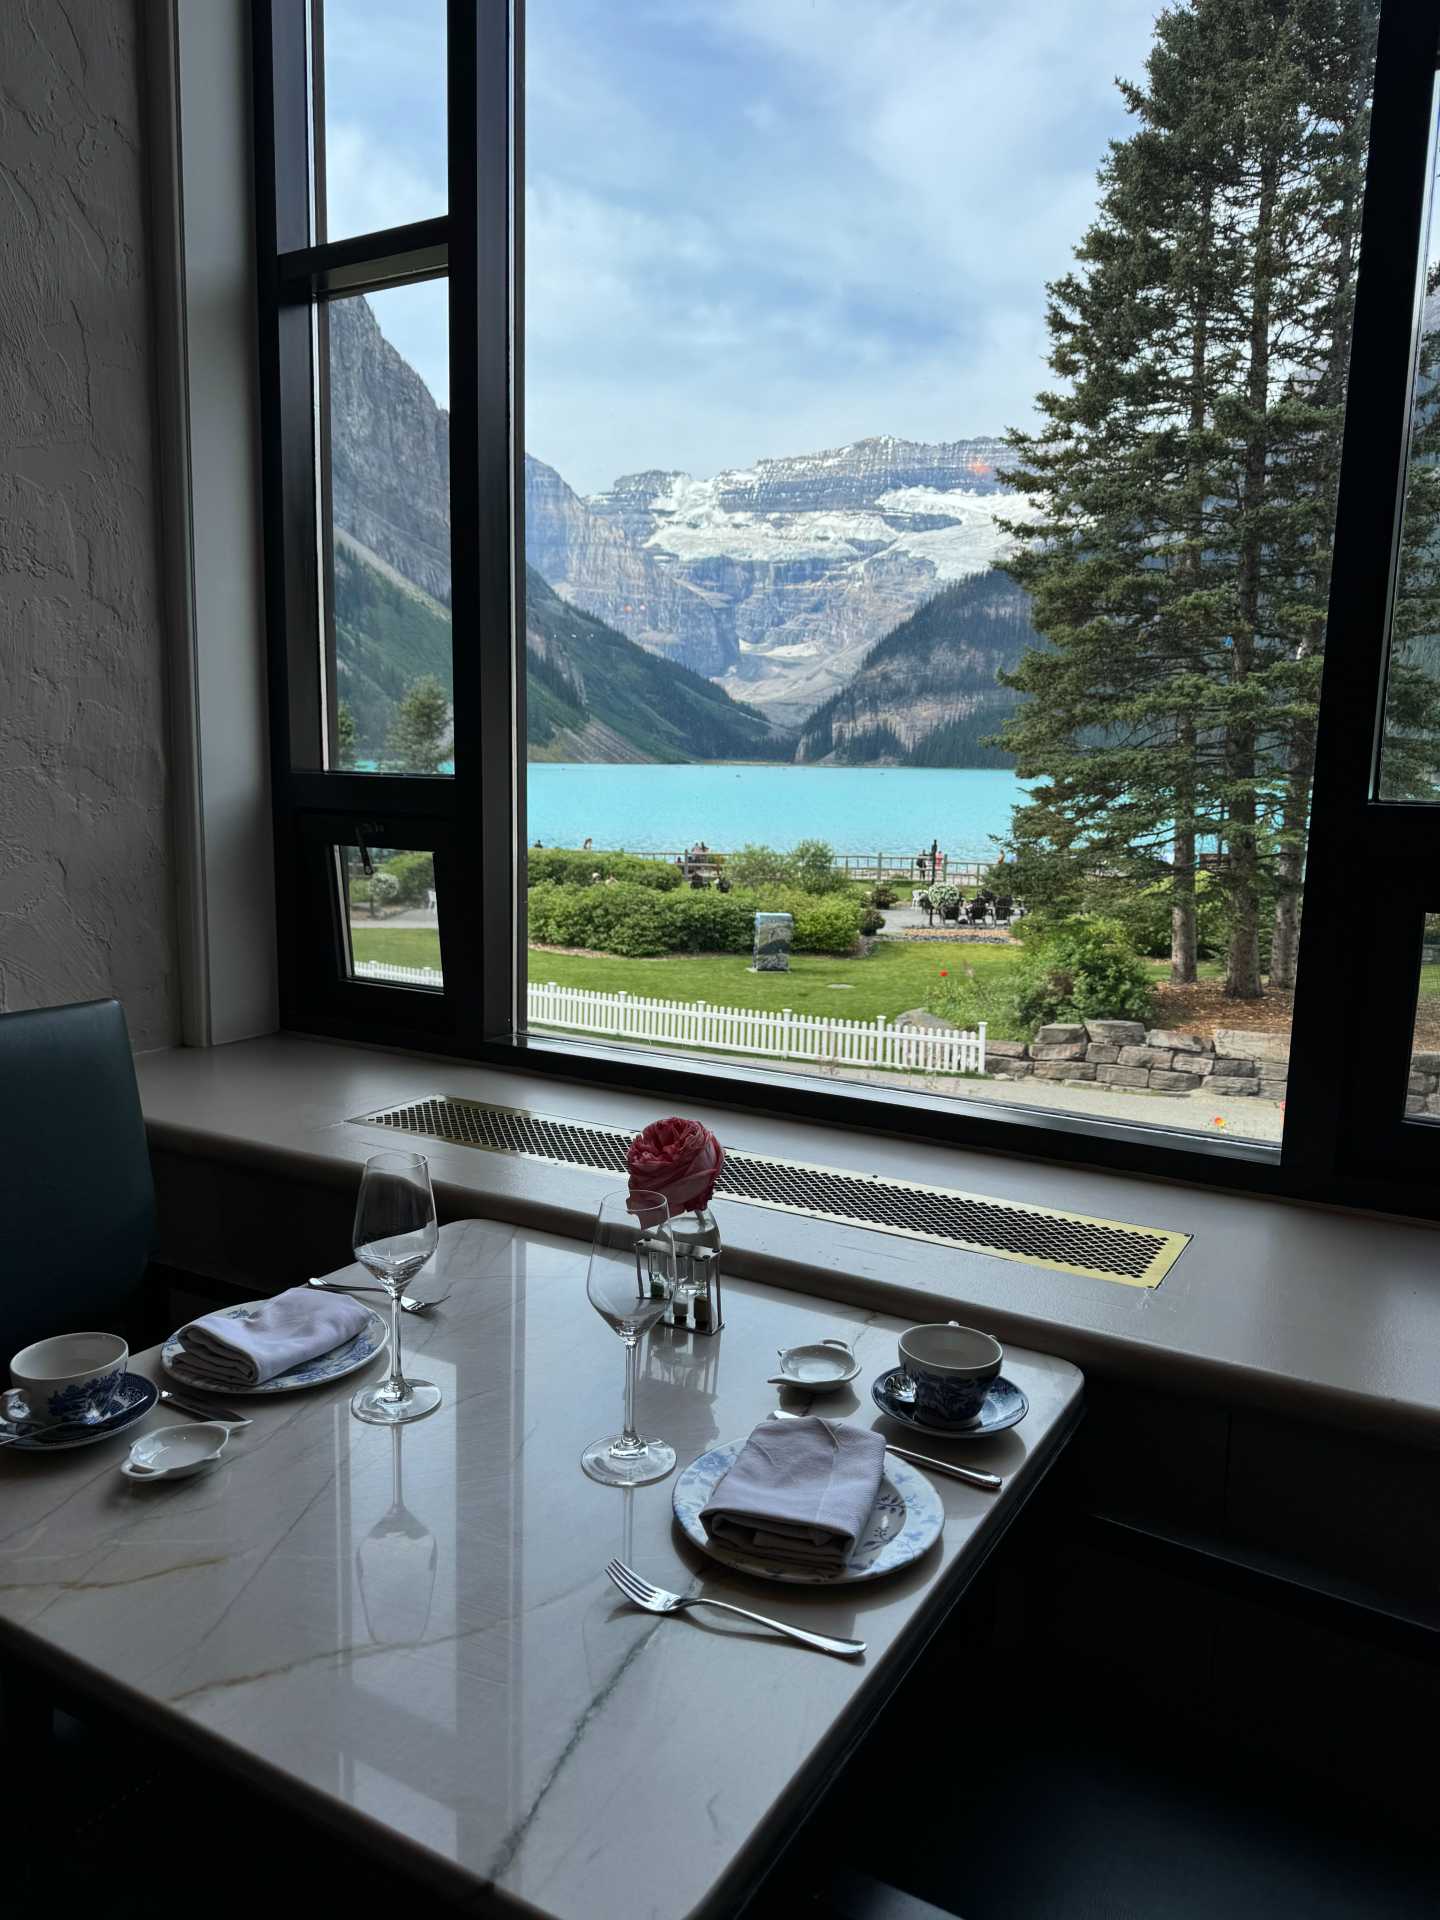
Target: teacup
{"x":947,"y":1370}
{"x":69,"y":1378}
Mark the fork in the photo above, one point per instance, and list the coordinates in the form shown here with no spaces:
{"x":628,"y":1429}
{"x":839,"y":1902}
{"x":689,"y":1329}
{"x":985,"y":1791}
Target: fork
{"x":408,"y":1303}
{"x":656,"y":1600}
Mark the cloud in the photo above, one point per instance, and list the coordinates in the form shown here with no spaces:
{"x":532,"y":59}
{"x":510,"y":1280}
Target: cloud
{"x":763,"y":226}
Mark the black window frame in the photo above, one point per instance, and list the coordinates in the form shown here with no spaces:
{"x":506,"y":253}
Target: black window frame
{"x":1345,"y":1138}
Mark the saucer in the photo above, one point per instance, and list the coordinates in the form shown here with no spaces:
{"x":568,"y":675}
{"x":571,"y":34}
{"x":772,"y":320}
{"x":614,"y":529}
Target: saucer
{"x":1004,"y":1406}
{"x":140,"y":1396}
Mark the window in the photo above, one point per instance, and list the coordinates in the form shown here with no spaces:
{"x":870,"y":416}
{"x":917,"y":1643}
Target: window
{"x":821,"y":691}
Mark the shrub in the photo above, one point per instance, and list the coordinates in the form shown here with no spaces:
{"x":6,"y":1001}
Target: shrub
{"x":381,"y":889}
{"x":637,"y":920}
{"x":1081,"y":969}
{"x":882,"y":896}
{"x":827,"y":923}
{"x":565,"y":867}
{"x":871,"y":921}
{"x":415,"y":873}
{"x":945,"y":899}
{"x":811,"y":867}
{"x":1144,"y":914}
{"x":704,"y":921}
{"x":756,"y":866}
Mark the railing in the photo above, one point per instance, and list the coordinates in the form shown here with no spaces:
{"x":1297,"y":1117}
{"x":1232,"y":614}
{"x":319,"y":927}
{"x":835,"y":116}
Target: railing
{"x":855,"y":866}
{"x":781,"y":1035}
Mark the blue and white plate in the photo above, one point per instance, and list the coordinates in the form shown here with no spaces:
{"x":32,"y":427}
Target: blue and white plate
{"x":906,"y":1521}
{"x":1004,"y":1406}
{"x":348,"y":1357}
{"x":137,"y":1395}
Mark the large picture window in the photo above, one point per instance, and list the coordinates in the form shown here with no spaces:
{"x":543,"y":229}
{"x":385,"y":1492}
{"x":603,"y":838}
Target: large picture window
{"x":779,"y":571}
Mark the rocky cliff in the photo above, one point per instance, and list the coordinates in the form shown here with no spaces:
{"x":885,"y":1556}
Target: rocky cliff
{"x":928,"y":693}
{"x":389,"y":451}
{"x":777,"y":578}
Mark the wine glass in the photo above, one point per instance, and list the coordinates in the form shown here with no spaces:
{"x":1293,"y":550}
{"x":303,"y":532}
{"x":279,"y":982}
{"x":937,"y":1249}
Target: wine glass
{"x":631,"y":1281}
{"x":395,"y":1234}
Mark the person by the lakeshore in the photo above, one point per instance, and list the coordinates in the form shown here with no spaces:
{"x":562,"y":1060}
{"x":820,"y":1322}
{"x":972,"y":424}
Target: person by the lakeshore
{"x":589,"y":845}
{"x":539,"y":844}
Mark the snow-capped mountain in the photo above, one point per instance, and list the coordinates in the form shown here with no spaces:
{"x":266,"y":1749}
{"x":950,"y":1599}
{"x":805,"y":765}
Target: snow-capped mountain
{"x":775,"y":579}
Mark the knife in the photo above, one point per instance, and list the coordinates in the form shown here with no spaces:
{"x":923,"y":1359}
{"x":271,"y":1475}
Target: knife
{"x":991,"y":1482}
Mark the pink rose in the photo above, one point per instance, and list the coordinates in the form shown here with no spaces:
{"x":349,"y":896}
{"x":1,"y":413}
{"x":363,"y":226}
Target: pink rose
{"x":679,"y":1159}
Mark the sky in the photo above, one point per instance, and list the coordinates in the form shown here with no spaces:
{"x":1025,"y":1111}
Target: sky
{"x":756,"y":227}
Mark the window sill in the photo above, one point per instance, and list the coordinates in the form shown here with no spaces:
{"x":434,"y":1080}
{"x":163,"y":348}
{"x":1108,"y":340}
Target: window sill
{"x":1328,"y":1315}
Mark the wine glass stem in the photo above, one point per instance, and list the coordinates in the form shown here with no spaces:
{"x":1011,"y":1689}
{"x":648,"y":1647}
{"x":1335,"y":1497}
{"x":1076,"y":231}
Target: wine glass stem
{"x":395,"y":1386}
{"x":630,"y":1438}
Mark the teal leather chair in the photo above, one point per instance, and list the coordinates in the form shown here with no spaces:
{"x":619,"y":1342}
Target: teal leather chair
{"x":77,"y":1205}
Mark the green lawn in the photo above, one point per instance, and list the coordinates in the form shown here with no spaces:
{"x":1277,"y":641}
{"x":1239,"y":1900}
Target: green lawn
{"x":889,"y":980}
{"x":893,"y":977}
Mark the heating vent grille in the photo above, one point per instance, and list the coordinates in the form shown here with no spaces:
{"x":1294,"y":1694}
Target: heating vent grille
{"x":1007,"y":1229}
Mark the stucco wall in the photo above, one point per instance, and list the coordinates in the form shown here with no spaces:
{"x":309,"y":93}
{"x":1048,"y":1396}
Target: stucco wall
{"x":85,"y":896}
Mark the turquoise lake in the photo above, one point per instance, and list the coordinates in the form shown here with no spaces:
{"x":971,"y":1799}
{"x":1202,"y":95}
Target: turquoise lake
{"x":659,"y":809}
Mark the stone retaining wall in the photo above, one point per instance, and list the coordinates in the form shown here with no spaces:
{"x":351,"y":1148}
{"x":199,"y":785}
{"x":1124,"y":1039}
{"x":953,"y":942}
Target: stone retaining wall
{"x":1123,"y":1053}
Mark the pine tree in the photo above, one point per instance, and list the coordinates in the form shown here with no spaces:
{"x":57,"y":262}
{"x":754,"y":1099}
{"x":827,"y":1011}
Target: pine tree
{"x":1185,"y":470}
{"x":419,"y":735}
{"x":345,"y":733}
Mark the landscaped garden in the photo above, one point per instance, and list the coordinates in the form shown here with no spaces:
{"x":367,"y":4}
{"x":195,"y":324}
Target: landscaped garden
{"x":621,"y":923}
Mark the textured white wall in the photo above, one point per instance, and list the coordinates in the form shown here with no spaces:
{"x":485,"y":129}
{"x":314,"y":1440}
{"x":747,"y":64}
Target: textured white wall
{"x":85,"y":894}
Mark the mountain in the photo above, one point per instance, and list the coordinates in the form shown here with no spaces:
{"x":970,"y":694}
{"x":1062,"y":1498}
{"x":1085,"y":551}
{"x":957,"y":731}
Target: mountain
{"x":927,"y":694}
{"x":593,"y":694}
{"x":775,"y":579}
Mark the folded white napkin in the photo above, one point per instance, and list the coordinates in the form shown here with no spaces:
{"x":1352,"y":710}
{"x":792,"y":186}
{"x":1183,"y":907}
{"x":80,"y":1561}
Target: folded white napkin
{"x":799,"y":1491}
{"x":296,"y":1326}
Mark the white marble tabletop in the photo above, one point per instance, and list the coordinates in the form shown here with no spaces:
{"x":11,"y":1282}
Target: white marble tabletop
{"x":411,"y":1632}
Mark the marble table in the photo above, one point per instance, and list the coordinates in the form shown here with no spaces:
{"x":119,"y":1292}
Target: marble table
{"x":410,"y":1633}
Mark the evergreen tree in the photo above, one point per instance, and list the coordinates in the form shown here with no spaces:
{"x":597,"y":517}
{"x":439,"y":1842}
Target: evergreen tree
{"x":1185,"y":471}
{"x":345,"y":733}
{"x":420,"y":731}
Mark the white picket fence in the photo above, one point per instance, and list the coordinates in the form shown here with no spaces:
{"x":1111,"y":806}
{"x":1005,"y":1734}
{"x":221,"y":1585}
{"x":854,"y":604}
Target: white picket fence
{"x":749,"y":1030}
{"x":695,"y":1023}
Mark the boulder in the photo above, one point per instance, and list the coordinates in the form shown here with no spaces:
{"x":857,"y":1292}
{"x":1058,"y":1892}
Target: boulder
{"x":1163,"y":1082}
{"x":1236,"y":1069}
{"x":1006,"y":1050}
{"x":1425,"y":1062}
{"x":1146,"y":1057}
{"x":1271,"y":1089}
{"x":1063,"y":1050}
{"x":1178,"y":1042}
{"x":1059,"y":1036}
{"x":1123,"y":1076}
{"x":1064,"y":1070}
{"x":926,"y":1021}
{"x":1009,"y":1069}
{"x":1413,"y":1104}
{"x":1100,"y":1055}
{"x":1116,"y":1033}
{"x":1421,"y":1083}
{"x":1253,"y":1046}
{"x":1224,"y":1085}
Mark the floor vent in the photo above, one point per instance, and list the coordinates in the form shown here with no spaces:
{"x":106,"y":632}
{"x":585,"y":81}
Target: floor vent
{"x":1008,"y":1229}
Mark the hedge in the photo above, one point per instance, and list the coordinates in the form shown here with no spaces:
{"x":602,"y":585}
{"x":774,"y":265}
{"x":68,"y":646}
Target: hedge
{"x":563,"y":866}
{"x":638,"y":920}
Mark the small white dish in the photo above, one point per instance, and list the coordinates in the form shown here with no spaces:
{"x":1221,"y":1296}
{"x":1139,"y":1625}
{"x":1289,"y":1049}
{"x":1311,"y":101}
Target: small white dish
{"x":818,"y":1368}
{"x":175,"y":1453}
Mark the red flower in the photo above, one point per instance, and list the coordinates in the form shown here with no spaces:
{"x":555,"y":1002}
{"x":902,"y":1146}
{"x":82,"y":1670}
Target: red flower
{"x":677,"y":1158}
{"x":944,"y":973}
